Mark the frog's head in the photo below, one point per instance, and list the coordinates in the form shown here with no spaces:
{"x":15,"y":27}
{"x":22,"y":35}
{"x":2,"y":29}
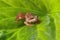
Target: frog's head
{"x":20,"y":16}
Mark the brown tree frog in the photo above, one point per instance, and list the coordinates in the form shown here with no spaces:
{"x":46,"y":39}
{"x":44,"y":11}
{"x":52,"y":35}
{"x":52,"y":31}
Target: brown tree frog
{"x":28,"y":18}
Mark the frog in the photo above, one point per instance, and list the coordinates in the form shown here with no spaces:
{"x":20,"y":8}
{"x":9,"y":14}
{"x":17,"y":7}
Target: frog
{"x":29,"y":19}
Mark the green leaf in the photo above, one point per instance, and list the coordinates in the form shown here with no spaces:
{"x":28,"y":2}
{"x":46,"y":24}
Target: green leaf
{"x":48,"y":12}
{"x":46,"y":30}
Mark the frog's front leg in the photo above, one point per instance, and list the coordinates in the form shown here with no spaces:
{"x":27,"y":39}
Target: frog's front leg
{"x":28,"y":24}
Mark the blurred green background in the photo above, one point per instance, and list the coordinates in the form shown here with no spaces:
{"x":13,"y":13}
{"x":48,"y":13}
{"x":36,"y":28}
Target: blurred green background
{"x":48,"y":12}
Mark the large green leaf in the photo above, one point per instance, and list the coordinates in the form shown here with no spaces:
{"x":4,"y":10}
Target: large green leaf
{"x":48,"y":12}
